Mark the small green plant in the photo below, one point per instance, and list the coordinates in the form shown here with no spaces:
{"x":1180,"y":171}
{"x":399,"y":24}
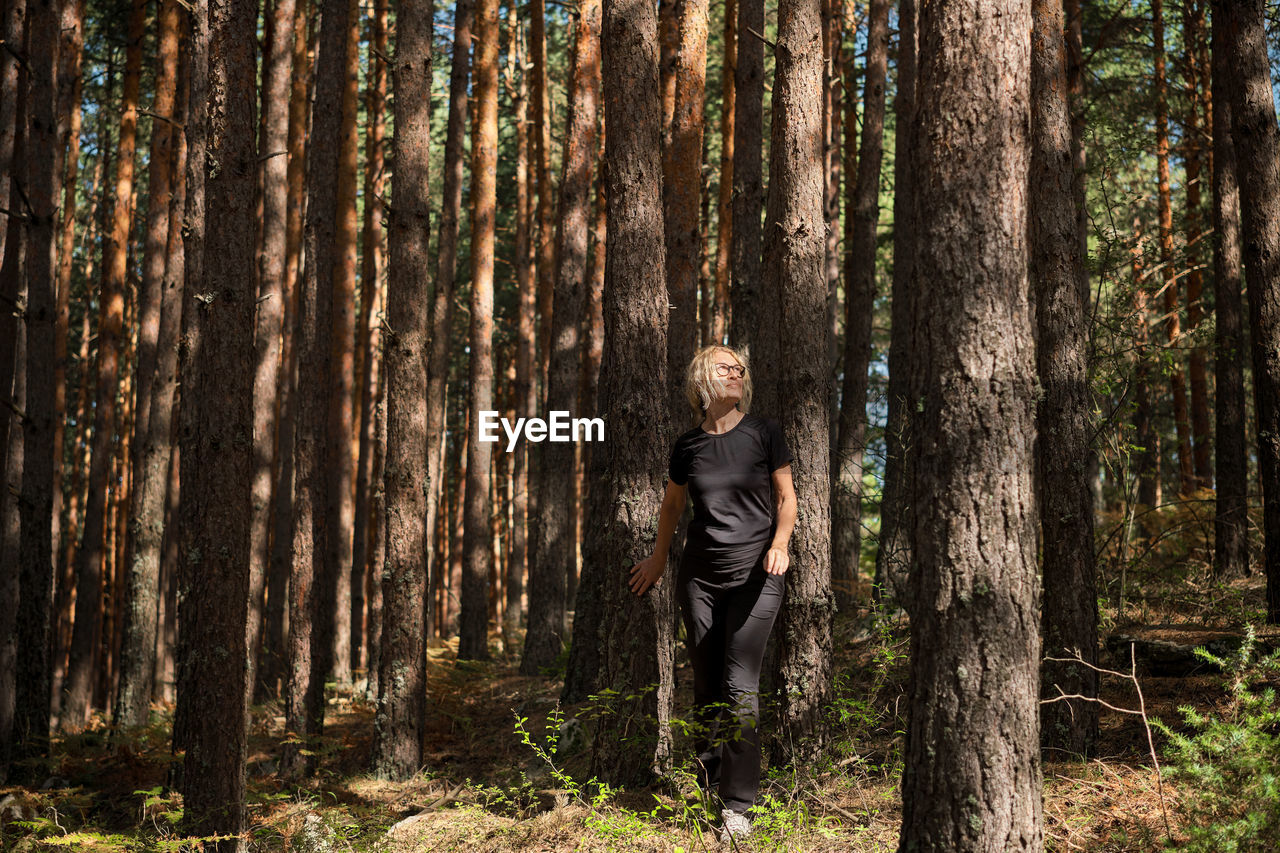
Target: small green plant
{"x":1232,"y":760}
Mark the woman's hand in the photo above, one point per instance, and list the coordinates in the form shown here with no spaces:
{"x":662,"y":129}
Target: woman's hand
{"x":776,"y":561}
{"x":647,"y":573}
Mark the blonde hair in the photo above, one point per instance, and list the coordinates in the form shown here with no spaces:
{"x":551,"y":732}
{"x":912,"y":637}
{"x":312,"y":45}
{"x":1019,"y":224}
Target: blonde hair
{"x":701,"y":385}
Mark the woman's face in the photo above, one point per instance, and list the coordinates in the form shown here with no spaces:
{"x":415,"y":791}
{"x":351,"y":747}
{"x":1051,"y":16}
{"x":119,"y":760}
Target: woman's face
{"x":729,"y":374}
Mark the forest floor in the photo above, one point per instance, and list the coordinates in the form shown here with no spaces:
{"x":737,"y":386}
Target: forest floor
{"x":484,"y":789}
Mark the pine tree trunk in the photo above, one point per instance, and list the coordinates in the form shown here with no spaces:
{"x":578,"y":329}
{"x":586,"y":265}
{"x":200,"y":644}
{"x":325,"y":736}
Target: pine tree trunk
{"x":270,"y":312}
{"x":557,"y":548}
{"x":724,"y":206}
{"x":972,"y":778}
{"x":339,"y":465}
{"x":541,"y":119}
{"x":897,"y":524}
{"x":313,"y":581}
{"x":746,"y":288}
{"x":1193,"y":145}
{"x":477,"y":557}
{"x":795,"y":259}
{"x":442,"y":305}
{"x":1147,"y":454}
{"x":39,"y":456}
{"x":526,"y":400}
{"x":91,"y":558}
{"x":70,"y":119}
{"x":1257,"y":144}
{"x":156,"y":375}
{"x":274,"y":669}
{"x":860,"y":289}
{"x":400,"y":720}
{"x":217,"y":451}
{"x":367,"y":347}
{"x":1172,"y":326}
{"x":681,"y":182}
{"x":635,"y":642}
{"x":1063,"y":422}
{"x":1231,"y":520}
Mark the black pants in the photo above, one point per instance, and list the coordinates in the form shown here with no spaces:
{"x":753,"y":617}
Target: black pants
{"x":727,"y":628}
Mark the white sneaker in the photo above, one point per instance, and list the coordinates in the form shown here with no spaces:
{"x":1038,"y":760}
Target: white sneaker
{"x":736,"y":825}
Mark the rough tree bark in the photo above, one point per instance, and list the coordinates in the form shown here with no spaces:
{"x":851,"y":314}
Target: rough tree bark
{"x":795,"y":253}
{"x":313,"y":581}
{"x":217,"y":441}
{"x":397,"y":751}
{"x":39,"y":456}
{"x":748,"y":188}
{"x":635,"y":655}
{"x":152,"y":444}
{"x":972,"y":766}
{"x":1257,"y":144}
{"x":1231,"y":520}
{"x":1063,"y":423}
{"x":477,"y":550}
{"x":681,"y":185}
{"x":446,"y":270}
{"x":270,"y":310}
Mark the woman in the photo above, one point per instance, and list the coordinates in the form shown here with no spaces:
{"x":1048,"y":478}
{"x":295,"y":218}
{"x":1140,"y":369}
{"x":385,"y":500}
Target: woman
{"x":731,"y":580}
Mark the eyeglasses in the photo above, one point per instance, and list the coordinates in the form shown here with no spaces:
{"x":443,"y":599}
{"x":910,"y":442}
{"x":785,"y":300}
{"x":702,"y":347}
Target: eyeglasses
{"x":736,"y":369}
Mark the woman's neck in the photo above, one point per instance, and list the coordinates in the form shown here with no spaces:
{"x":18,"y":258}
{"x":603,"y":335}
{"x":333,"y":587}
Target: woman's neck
{"x":722,"y":417}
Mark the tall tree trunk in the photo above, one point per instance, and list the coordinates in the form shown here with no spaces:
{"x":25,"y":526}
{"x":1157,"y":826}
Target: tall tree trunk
{"x":541,"y":157}
{"x":832,"y":12}
{"x":748,"y":189}
{"x":526,"y":399}
{"x":400,"y":720}
{"x":795,"y":253}
{"x":446,"y":269}
{"x":1147,"y":456}
{"x":724,"y":205}
{"x":39,"y":456}
{"x":1063,"y":423}
{"x":477,"y":557}
{"x":270,"y":312}
{"x":681,"y":183}
{"x":91,"y":557}
{"x":10,"y":571}
{"x":217,"y":451}
{"x":635,"y":643}
{"x":1193,"y":146}
{"x":274,"y":669}
{"x":860,"y":294}
{"x":1257,"y":143}
{"x":340,"y":466}
{"x":70,"y":85}
{"x":370,"y":339}
{"x":313,"y":581}
{"x":557,"y":548}
{"x":1231,"y":520}
{"x":1172,"y":326}
{"x":152,"y":444}
{"x":15,"y":19}
{"x":972,"y":774}
{"x":896,"y":512}
{"x":163,"y":681}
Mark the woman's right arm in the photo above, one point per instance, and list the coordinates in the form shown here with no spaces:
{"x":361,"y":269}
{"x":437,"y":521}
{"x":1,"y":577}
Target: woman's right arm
{"x":648,"y":571}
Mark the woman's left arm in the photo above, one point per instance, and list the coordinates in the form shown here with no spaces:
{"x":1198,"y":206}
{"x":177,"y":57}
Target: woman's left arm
{"x":777,"y":561}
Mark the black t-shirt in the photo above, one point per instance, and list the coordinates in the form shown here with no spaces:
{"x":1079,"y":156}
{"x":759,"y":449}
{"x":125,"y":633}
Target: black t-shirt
{"x":729,"y":480}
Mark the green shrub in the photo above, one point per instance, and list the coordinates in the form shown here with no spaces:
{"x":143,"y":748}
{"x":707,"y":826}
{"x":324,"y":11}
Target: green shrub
{"x":1231,"y":761}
